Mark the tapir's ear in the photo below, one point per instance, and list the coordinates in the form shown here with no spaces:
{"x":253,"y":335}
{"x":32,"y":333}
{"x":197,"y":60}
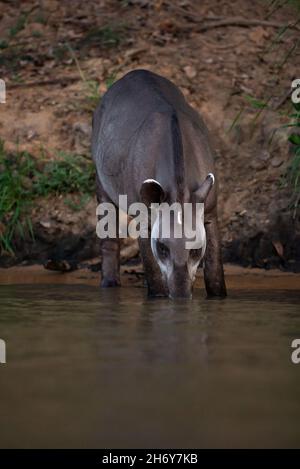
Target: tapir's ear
{"x":151,"y":192}
{"x":202,"y":192}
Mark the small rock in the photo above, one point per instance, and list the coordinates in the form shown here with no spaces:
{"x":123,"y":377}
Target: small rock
{"x":264,"y":155}
{"x":31,"y":134}
{"x":83,"y":128}
{"x":258,"y":165}
{"x":45,"y":224}
{"x":276,"y":161}
{"x":190,"y":71}
{"x":242,"y":213}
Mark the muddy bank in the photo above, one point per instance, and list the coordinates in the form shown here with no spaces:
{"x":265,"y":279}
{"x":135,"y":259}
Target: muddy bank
{"x":237,"y":278}
{"x":59,"y":60}
{"x":71,"y":237}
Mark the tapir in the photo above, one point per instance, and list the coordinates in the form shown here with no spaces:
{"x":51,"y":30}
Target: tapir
{"x":149,"y":144}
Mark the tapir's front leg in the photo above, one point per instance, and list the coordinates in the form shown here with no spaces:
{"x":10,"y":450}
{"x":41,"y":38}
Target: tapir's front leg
{"x":155,"y":281}
{"x":110,"y":248}
{"x":213,"y":266}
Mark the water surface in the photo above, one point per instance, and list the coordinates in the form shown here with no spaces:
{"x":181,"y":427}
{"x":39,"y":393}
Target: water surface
{"x":110,"y":368}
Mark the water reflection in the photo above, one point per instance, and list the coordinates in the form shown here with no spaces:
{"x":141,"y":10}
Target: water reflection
{"x":111,"y":368}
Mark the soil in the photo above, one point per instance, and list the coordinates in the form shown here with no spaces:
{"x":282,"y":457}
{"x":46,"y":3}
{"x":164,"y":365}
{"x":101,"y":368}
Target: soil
{"x":237,"y":278}
{"x":64,"y":48}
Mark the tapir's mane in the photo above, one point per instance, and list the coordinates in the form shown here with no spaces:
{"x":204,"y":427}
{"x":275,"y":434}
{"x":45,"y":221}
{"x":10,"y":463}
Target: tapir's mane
{"x":178,"y":155}
{"x":155,"y":81}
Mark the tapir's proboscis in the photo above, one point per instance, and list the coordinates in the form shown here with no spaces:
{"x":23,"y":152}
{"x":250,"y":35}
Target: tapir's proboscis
{"x":149,"y":144}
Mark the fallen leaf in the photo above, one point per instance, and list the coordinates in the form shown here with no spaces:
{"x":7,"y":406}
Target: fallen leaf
{"x":257,"y":35}
{"x":278,"y":247}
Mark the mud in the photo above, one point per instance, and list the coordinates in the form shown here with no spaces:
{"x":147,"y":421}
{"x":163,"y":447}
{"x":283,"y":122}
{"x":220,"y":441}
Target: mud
{"x":237,"y":278}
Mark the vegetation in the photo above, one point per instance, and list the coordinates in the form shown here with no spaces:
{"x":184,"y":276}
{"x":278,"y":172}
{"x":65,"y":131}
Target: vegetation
{"x":22,"y":180}
{"x":291,"y":177}
{"x":292,"y":174}
{"x":13,"y":48}
{"x":107,"y":36}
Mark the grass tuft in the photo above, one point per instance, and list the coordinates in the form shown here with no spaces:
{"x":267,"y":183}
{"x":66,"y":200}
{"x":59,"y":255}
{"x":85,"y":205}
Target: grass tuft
{"x":291,"y":178}
{"x":22,"y":180}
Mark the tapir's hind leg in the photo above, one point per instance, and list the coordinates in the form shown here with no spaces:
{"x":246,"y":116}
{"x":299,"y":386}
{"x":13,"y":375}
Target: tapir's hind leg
{"x":110,"y":248}
{"x":213,"y":266}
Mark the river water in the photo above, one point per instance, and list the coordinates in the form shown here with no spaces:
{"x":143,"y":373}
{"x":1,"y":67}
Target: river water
{"x":110,"y":368}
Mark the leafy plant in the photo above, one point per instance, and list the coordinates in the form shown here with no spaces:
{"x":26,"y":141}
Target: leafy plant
{"x":76,"y":206}
{"x":107,"y":36}
{"x":22,"y":180}
{"x":68,"y":173}
{"x":18,"y":26}
{"x":92,"y":94}
{"x":291,"y":177}
{"x":256,"y":103}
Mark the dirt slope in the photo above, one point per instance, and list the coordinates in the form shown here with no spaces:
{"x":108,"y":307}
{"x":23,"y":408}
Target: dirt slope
{"x":58,"y":55}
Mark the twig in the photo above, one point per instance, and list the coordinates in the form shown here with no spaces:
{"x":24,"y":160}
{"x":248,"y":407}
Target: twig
{"x":221,"y":46}
{"x":54,"y":81}
{"x":242,"y":22}
{"x":205,"y":22}
{"x":278,"y":102}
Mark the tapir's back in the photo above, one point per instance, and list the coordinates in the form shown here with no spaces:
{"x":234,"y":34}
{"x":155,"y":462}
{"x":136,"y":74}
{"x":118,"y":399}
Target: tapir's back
{"x":124,"y":119}
{"x":136,"y":95}
{"x":128,"y":102}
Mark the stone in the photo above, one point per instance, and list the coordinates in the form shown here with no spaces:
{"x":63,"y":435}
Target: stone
{"x":190,"y":71}
{"x":276,"y":161}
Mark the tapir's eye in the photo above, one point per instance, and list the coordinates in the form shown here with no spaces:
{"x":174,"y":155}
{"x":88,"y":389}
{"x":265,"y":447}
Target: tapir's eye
{"x":162,"y":250}
{"x":196,"y":254}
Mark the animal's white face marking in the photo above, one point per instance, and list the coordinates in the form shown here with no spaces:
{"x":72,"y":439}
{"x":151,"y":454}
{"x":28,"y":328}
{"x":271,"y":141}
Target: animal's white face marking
{"x":213,"y":177}
{"x":178,"y":236}
{"x":178,"y":254}
{"x":152,"y":180}
{"x":179,"y":217}
{"x":193,"y":266}
{"x":154,"y":237}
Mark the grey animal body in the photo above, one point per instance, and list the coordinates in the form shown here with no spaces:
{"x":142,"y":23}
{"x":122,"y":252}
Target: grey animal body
{"x":151,"y":145}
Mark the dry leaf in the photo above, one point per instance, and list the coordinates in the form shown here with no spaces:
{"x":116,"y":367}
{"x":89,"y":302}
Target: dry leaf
{"x":278,"y":247}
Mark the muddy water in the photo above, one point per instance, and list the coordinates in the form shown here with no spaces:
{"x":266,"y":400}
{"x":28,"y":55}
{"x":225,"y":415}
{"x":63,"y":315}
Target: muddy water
{"x":113,"y":369}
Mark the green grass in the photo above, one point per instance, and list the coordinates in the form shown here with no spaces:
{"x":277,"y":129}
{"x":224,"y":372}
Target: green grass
{"x":91,"y":92}
{"x":23,"y":179}
{"x":90,"y":87}
{"x":67,"y":174}
{"x":107,"y":36}
{"x":291,"y":177}
{"x":18,"y":26}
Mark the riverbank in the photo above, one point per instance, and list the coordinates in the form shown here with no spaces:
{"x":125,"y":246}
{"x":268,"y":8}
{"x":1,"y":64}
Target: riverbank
{"x":231,"y":72}
{"x":237,"y":278}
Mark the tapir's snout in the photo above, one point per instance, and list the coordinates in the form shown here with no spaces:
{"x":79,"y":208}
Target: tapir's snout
{"x":179,"y":283}
{"x":183,"y":295}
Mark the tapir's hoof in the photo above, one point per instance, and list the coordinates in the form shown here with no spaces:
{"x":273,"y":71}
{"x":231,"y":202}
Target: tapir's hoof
{"x":220,"y":295}
{"x":109,"y":283}
{"x":157,"y":293}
